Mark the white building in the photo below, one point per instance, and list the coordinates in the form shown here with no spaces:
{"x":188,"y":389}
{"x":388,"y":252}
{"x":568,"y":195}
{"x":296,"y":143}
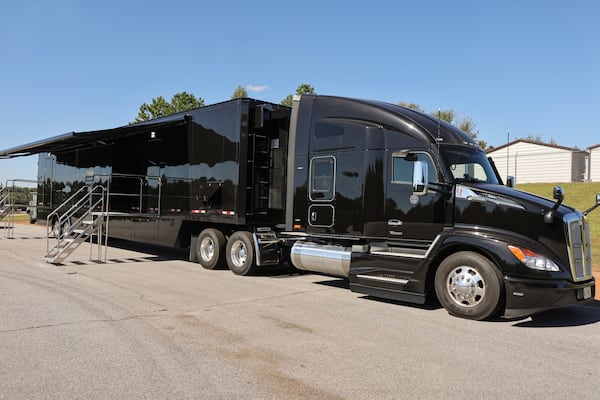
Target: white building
{"x":594,"y":163}
{"x":533,"y":162}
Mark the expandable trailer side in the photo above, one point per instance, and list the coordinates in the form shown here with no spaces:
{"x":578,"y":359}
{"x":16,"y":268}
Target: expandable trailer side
{"x":172,"y":177}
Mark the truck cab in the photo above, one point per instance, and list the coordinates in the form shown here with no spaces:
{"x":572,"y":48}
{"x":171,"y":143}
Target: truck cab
{"x":408,"y":206}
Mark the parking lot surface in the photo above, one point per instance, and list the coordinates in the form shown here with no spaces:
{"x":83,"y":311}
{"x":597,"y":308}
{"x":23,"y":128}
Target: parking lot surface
{"x":148,"y":325}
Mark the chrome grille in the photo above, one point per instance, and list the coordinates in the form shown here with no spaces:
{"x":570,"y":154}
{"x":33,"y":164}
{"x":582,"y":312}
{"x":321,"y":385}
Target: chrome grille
{"x":578,"y":246}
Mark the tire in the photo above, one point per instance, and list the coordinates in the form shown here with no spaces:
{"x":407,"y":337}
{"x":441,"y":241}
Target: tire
{"x":56,"y":230}
{"x":66,"y":226}
{"x":210,"y":248}
{"x":469,"y":286}
{"x":240,"y":253}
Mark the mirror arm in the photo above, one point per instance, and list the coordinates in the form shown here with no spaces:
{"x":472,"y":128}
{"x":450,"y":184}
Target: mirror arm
{"x":440,"y":187}
{"x":589,"y":210}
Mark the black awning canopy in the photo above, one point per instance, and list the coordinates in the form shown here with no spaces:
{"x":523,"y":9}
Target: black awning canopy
{"x":79,"y":140}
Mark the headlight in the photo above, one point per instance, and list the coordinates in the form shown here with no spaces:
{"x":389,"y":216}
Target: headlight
{"x":533,"y":260}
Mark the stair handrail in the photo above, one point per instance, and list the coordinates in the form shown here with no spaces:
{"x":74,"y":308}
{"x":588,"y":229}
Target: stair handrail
{"x":57,"y":211}
{"x":9,"y":205}
{"x":60,"y":220}
{"x":4,"y":196}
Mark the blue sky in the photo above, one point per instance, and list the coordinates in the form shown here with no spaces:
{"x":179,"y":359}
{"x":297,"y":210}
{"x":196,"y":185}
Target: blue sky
{"x":531,"y":67}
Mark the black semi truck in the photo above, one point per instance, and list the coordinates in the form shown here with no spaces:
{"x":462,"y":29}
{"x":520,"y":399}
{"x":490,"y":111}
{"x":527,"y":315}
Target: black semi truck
{"x":400,"y":203}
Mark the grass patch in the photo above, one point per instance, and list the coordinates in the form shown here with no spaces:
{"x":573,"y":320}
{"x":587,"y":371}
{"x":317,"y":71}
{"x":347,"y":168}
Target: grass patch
{"x":581,"y":196}
{"x":20,"y":217}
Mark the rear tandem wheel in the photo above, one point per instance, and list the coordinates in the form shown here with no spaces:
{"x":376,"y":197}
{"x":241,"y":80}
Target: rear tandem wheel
{"x":210,"y":248}
{"x":240,"y":253}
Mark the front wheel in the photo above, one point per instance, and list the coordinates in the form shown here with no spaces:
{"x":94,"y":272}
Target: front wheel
{"x":468,"y":285}
{"x":240,"y":253}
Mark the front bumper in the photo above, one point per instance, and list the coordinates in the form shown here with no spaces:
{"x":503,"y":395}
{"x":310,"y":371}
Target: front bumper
{"x":525,"y":297}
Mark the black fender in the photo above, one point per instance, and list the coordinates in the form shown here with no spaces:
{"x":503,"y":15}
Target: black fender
{"x":493,"y":244}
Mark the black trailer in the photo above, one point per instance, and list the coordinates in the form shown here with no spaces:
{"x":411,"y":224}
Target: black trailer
{"x":204,"y":174}
{"x":400,"y":203}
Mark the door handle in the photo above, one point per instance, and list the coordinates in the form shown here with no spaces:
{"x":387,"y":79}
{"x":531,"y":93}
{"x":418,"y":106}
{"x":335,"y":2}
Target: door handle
{"x":394,"y":222}
{"x":313,"y":216}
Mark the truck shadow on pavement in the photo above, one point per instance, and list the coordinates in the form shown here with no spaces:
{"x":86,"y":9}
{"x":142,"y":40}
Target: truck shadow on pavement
{"x":559,"y":318}
{"x":154,"y":252}
{"x":564,"y":317}
{"x":431,"y":304}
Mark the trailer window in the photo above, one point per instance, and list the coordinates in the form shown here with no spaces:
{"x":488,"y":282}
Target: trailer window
{"x":322,"y":176}
{"x":402,"y":171}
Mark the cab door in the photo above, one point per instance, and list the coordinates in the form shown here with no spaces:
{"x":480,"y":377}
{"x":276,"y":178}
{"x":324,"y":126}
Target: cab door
{"x":413,"y":221}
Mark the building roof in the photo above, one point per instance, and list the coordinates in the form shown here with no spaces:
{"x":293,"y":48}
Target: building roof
{"x":554,"y":146}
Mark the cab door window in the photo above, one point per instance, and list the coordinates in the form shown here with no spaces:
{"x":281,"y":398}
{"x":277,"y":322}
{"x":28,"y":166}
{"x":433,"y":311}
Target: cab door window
{"x":402,"y":169}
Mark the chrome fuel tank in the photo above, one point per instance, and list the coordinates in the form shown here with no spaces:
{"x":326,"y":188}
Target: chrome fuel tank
{"x":328,"y":259}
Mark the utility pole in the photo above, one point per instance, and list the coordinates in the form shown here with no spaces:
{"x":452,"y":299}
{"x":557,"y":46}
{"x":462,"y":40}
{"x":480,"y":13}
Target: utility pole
{"x":507,"y":153}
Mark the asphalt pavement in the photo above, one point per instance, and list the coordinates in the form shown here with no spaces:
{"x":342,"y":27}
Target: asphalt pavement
{"x":148,"y":325}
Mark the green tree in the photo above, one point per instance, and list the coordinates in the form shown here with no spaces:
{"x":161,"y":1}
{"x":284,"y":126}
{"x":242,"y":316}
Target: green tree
{"x":534,"y":138}
{"x":159,"y":107}
{"x":239,"y":93}
{"x":445,"y":115}
{"x":304,"y":88}
{"x":412,"y":106}
{"x":465,"y":124}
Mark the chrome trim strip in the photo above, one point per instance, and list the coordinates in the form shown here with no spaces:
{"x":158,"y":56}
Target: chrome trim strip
{"x":409,"y":255}
{"x":256,"y":249}
{"x":405,"y":255}
{"x":433,"y":244}
{"x":383,"y":279}
{"x":469,"y":194}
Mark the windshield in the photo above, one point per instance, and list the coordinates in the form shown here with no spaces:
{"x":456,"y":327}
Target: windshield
{"x":469,"y":165}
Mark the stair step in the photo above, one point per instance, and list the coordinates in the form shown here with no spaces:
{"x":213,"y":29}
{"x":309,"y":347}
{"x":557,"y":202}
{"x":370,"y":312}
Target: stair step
{"x":86,"y":220}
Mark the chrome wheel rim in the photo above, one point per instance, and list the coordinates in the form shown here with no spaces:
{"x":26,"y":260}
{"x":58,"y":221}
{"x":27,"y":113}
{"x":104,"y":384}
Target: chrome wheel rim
{"x":56,"y":229}
{"x":466,"y":286}
{"x":239,"y":254}
{"x":207,"y":249}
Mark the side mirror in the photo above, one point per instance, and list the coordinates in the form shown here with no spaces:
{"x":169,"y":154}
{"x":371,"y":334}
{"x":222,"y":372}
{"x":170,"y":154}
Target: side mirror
{"x":420,"y":177}
{"x":510,"y":181}
{"x":559,"y":194}
{"x":589,"y":210}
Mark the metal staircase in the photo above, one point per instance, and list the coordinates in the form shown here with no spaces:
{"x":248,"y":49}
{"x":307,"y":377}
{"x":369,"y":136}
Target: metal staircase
{"x":81,"y":217}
